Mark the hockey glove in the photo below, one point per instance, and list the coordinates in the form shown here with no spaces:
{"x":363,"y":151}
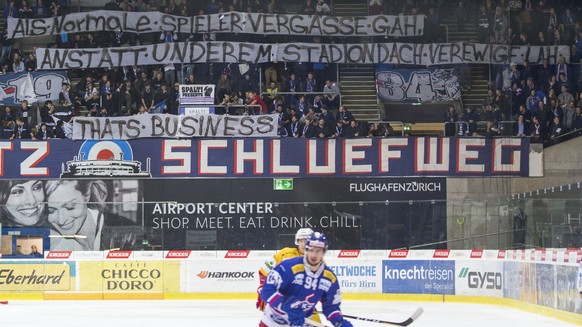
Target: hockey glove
{"x":293,"y":308}
{"x":343,"y":323}
{"x":260,"y":303}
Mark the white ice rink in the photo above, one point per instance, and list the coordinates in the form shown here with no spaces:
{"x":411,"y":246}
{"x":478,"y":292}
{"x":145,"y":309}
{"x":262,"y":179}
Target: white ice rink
{"x":194,"y":313}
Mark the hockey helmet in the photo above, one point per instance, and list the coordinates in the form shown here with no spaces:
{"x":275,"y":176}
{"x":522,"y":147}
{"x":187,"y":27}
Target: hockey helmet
{"x":302,"y":234}
{"x":317,"y":240}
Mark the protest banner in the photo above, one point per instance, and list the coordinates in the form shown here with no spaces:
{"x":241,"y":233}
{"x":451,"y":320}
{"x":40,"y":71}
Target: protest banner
{"x":173,"y":126}
{"x":230,"y":22}
{"x":351,"y":53}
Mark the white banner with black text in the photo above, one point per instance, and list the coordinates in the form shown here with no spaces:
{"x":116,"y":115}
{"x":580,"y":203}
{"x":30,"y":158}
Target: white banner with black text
{"x":242,"y":52}
{"x":173,"y":126}
{"x":229,"y":22}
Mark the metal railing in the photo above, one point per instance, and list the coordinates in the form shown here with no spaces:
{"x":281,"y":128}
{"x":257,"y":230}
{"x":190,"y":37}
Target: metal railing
{"x":304,"y":93}
{"x":389,"y":123}
{"x":241,"y":109}
{"x":446,"y":30}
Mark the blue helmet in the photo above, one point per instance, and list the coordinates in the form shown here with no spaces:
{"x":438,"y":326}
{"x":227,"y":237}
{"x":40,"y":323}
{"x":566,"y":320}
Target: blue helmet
{"x":317,"y":240}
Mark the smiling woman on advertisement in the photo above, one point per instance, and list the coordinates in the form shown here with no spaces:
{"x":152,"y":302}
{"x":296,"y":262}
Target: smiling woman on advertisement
{"x":77,"y":214}
{"x":22,"y":203}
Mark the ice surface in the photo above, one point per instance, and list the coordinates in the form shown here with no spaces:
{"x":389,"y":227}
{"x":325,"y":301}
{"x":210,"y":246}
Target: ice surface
{"x":224,"y":313}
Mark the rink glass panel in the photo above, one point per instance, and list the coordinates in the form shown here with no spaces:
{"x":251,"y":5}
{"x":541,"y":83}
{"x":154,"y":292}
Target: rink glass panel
{"x":224,"y":214}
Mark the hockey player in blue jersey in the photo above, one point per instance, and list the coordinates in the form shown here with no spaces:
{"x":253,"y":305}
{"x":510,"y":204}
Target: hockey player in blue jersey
{"x":296,"y":285}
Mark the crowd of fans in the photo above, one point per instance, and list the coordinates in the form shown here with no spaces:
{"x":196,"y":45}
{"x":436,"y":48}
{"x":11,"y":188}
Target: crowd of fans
{"x":306,"y":96}
{"x":538,"y":101}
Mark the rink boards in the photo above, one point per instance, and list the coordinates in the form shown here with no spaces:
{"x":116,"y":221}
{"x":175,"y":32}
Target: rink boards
{"x":542,"y":277}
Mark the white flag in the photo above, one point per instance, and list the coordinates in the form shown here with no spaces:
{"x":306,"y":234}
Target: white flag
{"x":26,"y":90}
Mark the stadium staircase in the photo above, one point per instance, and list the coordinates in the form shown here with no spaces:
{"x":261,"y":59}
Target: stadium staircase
{"x":357,"y":82}
{"x":479,"y":81}
{"x":358,"y":87}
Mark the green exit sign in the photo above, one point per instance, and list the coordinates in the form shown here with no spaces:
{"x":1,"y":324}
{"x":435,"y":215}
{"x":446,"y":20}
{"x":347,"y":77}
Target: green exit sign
{"x":283,"y":184}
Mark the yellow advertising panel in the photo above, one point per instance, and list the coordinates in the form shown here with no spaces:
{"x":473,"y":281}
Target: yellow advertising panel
{"x":35,"y":277}
{"x":129,"y":276}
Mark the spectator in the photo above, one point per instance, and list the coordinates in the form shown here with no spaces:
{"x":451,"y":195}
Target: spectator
{"x":373,"y":130}
{"x":293,"y":85}
{"x":451,"y":118}
{"x":296,"y":127}
{"x":169,"y":74}
{"x":483,"y":25}
{"x":309,"y":85}
{"x":147,"y":97}
{"x":538,"y":131}
{"x":103,"y":112}
{"x":332,"y":94}
{"x":223,"y":87}
{"x":353,"y":130}
{"x":63,"y":111}
{"x":7,"y":129}
{"x":111,"y":5}
{"x":25,"y":11}
{"x":322,"y":9}
{"x":344,"y":116}
{"x":6,"y":45}
{"x":555,"y":110}
{"x":44,"y":133}
{"x":7,"y":114}
{"x":11,"y":11}
{"x":563,"y":80}
{"x":557,"y":129}
{"x":22,"y":130}
{"x":46,"y":114}
{"x":40,"y":11}
{"x":311,"y":115}
{"x":527,"y":114}
{"x":322,"y":130}
{"x":552,"y":23}
{"x":168,"y":36}
{"x":301,"y":107}
{"x":502,"y":101}
{"x":17,"y":63}
{"x":25,"y":113}
{"x":468,"y":126}
{"x":563,"y":68}
{"x":544,"y":73}
{"x":308,"y":8}
{"x":532,"y":101}
{"x":569,"y":115}
{"x":282,"y":116}
{"x":158,"y":81}
{"x":375,"y":8}
{"x":93,"y":103}
{"x":499,"y":24}
{"x":141,"y":82}
{"x":577,"y":124}
{"x":309,"y":130}
{"x":542,"y":114}
{"x":213,"y":7}
{"x":565,"y":97}
{"x":520,"y":127}
{"x":541,"y":40}
{"x":254,"y":99}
